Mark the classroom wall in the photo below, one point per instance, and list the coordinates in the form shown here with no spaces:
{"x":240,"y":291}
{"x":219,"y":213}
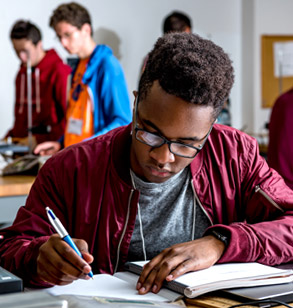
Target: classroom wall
{"x":270,"y":17}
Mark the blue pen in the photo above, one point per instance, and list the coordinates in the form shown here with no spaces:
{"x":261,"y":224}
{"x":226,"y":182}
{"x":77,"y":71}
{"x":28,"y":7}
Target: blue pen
{"x":56,"y":223}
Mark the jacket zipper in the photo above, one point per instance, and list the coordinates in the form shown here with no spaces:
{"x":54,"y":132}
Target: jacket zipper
{"x":198,"y":201}
{"x":124,"y":230}
{"x":265,"y":195}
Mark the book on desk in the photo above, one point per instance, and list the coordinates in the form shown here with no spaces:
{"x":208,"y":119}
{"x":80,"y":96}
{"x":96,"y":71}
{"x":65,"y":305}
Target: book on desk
{"x":223,"y":276}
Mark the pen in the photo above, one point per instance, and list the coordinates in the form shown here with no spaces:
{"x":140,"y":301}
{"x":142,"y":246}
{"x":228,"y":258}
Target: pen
{"x":56,"y":223}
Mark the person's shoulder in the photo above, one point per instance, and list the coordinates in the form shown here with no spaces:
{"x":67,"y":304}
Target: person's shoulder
{"x":228,"y":132}
{"x":100,"y":53}
{"x":231,"y":139}
{"x":97,"y":148}
{"x":104,"y":56}
{"x":285,"y":98}
{"x":53,"y":61}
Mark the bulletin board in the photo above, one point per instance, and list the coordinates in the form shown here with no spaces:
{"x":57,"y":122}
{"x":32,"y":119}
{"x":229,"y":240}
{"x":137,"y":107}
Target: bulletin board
{"x":271,"y":84}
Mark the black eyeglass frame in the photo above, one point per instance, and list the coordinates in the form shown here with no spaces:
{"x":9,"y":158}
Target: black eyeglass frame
{"x":164,"y":139}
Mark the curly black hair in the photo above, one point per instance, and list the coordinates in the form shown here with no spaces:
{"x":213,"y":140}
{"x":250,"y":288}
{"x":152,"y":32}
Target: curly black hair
{"x":189,"y":67}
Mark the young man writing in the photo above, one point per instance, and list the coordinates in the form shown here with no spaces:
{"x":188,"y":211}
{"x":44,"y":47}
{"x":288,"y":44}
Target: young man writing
{"x":98,"y":100}
{"x":49,"y":87}
{"x":173,"y":187}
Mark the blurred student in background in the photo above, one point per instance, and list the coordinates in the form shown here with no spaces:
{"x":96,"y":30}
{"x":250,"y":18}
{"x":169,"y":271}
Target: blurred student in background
{"x":177,"y":22}
{"x":280,"y":150}
{"x":174,"y":22}
{"x":49,"y":78}
{"x":98,"y":100}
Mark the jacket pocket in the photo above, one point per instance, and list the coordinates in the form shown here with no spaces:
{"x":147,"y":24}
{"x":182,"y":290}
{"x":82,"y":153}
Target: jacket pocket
{"x":261,"y":207}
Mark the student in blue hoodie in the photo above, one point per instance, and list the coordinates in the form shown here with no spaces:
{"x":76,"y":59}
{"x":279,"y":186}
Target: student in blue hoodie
{"x":98,"y":99}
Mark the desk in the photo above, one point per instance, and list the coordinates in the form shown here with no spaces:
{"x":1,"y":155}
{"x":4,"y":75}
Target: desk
{"x":212,"y":301}
{"x":13,"y":192}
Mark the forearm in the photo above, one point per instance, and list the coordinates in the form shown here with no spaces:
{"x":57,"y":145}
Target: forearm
{"x":268,"y":242}
{"x":19,"y":256}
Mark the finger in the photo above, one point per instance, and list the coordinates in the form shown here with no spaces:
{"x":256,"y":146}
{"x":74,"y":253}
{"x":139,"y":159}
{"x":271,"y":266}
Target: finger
{"x":87,"y":257}
{"x":83,"y":248}
{"x":55,"y":269}
{"x":73,"y":258}
{"x":165,"y":268}
{"x":147,"y":269}
{"x":182,"y":268}
{"x":49,"y":273}
{"x":148,"y":284}
{"x":61,"y":255}
{"x":170,"y":259}
{"x":48,"y":267}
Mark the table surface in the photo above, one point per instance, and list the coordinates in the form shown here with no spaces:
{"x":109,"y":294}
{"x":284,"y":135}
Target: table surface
{"x":15,"y":185}
{"x":211,"y":301}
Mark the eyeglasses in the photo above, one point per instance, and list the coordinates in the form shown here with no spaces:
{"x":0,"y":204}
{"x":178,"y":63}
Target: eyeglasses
{"x":156,"y":140}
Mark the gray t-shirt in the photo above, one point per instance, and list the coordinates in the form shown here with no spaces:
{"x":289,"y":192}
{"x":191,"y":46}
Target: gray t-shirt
{"x":169,"y":215}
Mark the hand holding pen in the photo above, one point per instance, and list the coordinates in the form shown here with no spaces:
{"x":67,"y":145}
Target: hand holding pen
{"x":56,"y":223}
{"x":59,"y":264}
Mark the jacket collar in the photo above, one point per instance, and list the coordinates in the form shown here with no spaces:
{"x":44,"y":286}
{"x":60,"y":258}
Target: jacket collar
{"x":120,"y":149}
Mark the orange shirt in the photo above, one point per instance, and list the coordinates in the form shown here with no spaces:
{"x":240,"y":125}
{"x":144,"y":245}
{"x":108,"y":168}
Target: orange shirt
{"x":79,"y":115}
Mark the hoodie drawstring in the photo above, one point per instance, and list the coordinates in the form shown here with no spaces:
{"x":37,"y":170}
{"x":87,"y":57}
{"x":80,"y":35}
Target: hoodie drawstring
{"x":22,"y":99}
{"x":37,"y":83}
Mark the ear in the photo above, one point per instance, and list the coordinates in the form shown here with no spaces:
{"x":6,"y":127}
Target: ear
{"x":135,"y":93}
{"x":86,"y":28}
{"x":39,"y":45}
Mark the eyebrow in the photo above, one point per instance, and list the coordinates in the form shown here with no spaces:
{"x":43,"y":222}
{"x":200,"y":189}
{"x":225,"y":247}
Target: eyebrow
{"x":149,"y":123}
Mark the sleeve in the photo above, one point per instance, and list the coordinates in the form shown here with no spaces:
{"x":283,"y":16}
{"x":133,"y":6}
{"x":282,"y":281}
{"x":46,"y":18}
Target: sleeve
{"x":113,"y":95}
{"x":31,"y":229}
{"x":280,"y":150}
{"x":265,"y":233}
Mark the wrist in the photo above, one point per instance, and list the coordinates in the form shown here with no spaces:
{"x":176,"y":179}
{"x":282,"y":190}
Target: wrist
{"x":220,"y":236}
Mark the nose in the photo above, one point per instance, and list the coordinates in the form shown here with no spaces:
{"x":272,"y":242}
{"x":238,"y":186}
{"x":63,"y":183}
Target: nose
{"x":23,"y":56}
{"x":64,"y":42}
{"x":162,"y":155}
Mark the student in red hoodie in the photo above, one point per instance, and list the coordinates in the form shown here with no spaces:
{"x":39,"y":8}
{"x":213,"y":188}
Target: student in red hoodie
{"x":49,"y":87}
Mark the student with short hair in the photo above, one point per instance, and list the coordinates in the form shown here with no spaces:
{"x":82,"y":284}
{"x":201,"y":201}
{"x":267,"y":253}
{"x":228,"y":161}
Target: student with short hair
{"x":174,"y":22}
{"x":49,"y":87}
{"x":177,"y":22}
{"x":172,"y":187}
{"x":98,"y":100}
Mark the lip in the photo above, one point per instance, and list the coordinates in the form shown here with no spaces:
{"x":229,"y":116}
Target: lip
{"x":162,"y":173}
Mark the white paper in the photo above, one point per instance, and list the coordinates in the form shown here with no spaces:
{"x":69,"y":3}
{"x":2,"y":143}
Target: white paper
{"x":132,"y":279}
{"x":104,"y":285}
{"x":283,"y":59}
